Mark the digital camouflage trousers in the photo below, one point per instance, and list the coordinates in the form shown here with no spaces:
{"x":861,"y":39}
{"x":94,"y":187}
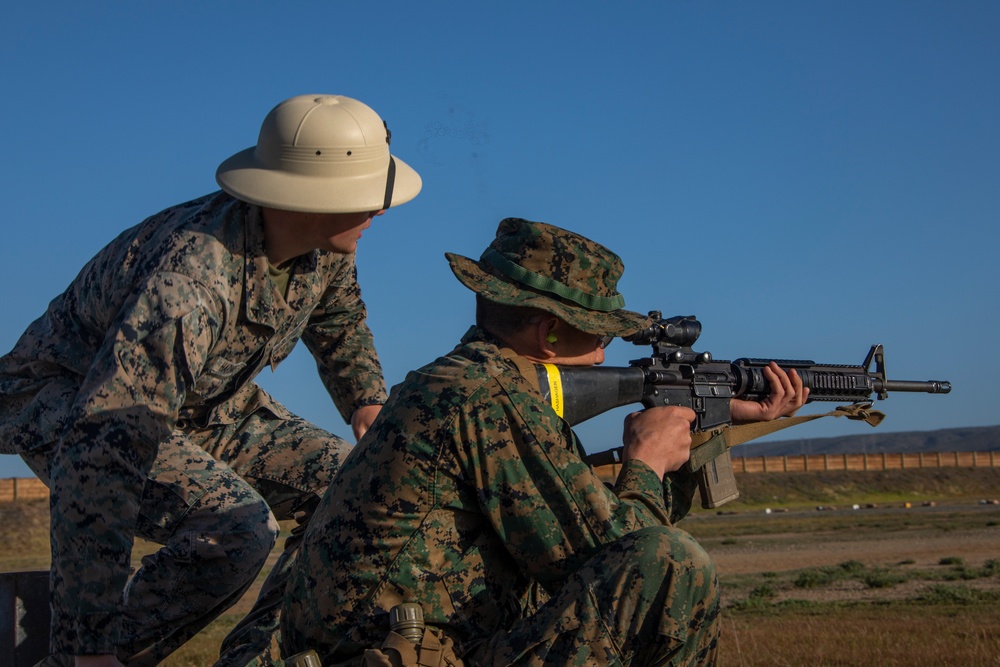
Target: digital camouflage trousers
{"x":649,"y":599}
{"x":213,"y":500}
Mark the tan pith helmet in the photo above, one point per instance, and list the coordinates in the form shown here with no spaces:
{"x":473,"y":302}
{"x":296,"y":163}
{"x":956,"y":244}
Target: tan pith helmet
{"x":320,"y":154}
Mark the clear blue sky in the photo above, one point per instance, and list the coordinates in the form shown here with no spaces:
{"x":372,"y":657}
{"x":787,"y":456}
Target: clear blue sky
{"x":806,"y":178}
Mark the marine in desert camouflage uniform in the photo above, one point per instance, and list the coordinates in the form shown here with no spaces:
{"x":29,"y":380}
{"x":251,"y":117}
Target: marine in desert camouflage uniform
{"x":134,"y":398}
{"x":470,"y":496}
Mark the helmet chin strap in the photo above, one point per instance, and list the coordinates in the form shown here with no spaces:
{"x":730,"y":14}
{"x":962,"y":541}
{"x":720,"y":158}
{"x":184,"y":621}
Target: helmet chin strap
{"x":390,"y":181}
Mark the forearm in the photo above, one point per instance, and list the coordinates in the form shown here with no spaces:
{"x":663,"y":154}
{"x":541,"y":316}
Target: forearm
{"x":339,"y":339}
{"x":638,"y":484}
{"x":348,"y":364}
{"x":678,"y":491}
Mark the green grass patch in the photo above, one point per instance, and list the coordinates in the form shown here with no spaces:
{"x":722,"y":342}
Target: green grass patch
{"x":756,"y":591}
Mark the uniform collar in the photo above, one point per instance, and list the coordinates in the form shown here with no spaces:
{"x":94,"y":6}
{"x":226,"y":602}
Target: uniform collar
{"x":261,"y":301}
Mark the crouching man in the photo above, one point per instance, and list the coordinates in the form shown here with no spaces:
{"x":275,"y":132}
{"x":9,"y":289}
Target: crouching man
{"x":469,"y":495}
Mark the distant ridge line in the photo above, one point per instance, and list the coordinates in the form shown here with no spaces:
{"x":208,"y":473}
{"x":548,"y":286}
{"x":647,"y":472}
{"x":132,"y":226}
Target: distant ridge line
{"x":965,"y":439}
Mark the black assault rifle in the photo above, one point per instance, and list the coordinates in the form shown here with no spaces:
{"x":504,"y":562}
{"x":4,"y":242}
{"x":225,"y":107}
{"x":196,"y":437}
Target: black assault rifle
{"x":677,"y":375}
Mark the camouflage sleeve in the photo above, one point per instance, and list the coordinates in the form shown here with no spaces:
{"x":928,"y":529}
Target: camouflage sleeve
{"x":127,"y":405}
{"x":678,"y":489}
{"x":637,"y":483}
{"x":543,"y":500}
{"x":343,"y":346}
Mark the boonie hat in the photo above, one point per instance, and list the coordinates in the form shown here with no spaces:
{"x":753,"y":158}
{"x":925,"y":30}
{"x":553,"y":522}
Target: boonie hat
{"x":538,"y":265}
{"x":320,"y":154}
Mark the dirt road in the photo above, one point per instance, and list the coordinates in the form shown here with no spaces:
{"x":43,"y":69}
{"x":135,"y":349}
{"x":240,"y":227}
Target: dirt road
{"x":789,"y":551}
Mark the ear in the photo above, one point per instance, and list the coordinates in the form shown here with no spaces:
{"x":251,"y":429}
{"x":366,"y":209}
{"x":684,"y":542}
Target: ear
{"x":545,"y":336}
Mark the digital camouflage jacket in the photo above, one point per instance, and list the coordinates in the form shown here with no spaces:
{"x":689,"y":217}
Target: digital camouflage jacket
{"x":467,"y":495}
{"x":165,"y":328}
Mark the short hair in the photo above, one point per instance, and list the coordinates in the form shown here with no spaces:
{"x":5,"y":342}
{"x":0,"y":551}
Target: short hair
{"x":502,"y":320}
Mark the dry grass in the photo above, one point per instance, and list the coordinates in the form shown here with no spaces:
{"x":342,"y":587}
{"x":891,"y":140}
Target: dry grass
{"x":903,"y":635}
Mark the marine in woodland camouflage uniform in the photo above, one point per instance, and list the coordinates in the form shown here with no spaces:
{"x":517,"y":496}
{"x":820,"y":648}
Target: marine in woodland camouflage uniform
{"x":469,"y":496}
{"x":133,"y":395}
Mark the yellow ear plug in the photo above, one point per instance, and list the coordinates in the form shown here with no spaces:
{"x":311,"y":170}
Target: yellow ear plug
{"x":551,"y":338}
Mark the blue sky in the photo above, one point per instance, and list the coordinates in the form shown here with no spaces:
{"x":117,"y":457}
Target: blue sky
{"x":806,"y":178}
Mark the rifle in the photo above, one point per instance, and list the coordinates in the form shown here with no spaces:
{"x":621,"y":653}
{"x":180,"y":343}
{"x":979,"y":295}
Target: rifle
{"x":677,"y":375}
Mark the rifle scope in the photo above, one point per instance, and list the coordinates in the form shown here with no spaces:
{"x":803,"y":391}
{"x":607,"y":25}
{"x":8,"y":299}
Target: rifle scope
{"x":679,"y":331}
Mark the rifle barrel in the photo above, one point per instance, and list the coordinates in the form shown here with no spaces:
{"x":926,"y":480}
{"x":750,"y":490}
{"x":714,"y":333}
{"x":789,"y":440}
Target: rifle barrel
{"x":927,"y":387}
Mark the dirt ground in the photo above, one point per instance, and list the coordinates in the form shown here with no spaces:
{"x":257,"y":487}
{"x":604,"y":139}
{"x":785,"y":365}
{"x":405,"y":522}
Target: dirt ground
{"x":795,"y":551}
{"x":892,"y":537}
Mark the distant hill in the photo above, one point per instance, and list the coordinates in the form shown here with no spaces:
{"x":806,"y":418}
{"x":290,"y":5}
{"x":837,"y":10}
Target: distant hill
{"x":971,"y":439}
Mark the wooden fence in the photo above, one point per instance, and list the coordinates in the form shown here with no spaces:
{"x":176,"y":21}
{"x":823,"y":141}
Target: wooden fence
{"x":858,"y":462}
{"x":22,"y":488}
{"x":823,"y":462}
{"x":14,"y":488}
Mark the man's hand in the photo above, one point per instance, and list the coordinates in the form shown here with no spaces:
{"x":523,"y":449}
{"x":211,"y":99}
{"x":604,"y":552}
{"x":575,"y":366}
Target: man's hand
{"x":786,"y":397}
{"x":362,"y":419}
{"x":659,"y":437}
{"x":97,"y":661}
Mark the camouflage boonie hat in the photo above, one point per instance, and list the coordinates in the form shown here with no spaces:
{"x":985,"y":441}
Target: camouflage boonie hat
{"x":537,"y":265}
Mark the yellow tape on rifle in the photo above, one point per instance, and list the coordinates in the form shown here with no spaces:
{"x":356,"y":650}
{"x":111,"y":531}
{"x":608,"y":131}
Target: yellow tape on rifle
{"x":555,"y":388}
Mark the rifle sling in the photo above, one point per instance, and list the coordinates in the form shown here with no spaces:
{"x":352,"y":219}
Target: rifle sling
{"x":707,"y":445}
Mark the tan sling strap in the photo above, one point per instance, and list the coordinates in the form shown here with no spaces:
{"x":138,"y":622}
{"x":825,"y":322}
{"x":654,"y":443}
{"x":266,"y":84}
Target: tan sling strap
{"x":707,"y":445}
